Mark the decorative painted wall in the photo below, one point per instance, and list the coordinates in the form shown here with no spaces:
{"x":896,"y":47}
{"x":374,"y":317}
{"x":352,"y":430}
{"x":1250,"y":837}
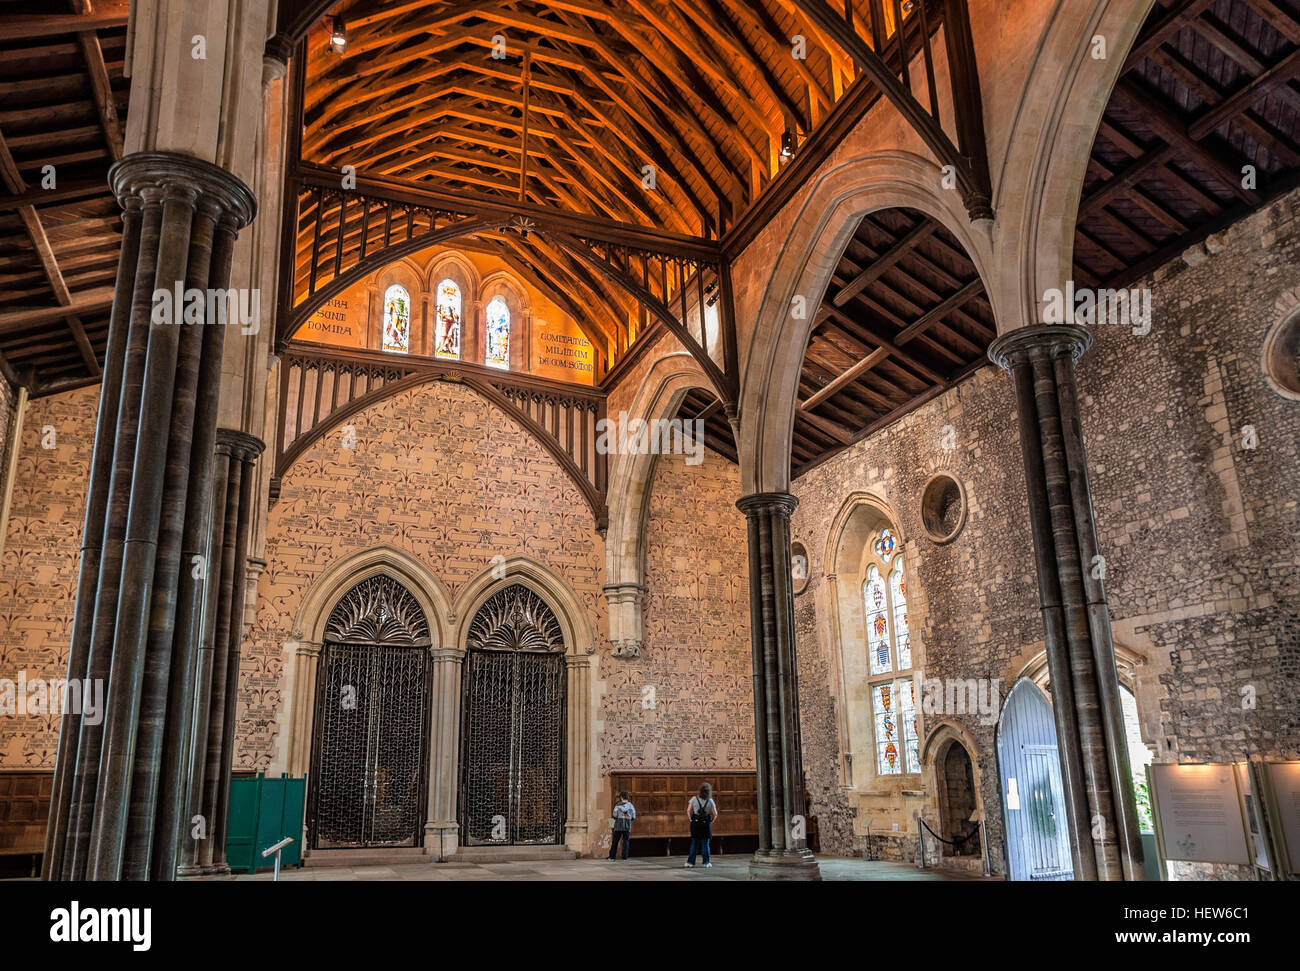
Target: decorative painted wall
{"x":437,"y":472}
{"x":38,"y":572}
{"x":687,"y":701}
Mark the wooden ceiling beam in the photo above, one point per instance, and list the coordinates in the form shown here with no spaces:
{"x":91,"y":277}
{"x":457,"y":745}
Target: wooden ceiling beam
{"x":102,"y":91}
{"x":1174,"y":132}
{"x":923,"y":229}
{"x":33,"y":26}
{"x":852,"y":374}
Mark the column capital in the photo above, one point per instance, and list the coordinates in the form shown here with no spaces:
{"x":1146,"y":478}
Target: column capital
{"x":240,"y":445}
{"x":140,"y":172}
{"x":1017,"y":346}
{"x":761,"y":502}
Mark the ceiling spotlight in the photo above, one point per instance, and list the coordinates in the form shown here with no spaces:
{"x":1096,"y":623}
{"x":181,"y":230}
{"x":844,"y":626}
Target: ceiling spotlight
{"x":711,"y":301}
{"x":338,"y":36}
{"x":711,"y":286}
{"x":787,"y":144}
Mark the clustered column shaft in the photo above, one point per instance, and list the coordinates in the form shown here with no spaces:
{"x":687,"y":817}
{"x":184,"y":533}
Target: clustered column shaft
{"x":782,"y":850}
{"x":1080,"y":652}
{"x":116,"y":781}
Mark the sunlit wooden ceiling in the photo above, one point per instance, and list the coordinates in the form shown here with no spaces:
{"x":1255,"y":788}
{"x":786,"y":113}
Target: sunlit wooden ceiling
{"x":589,"y":98}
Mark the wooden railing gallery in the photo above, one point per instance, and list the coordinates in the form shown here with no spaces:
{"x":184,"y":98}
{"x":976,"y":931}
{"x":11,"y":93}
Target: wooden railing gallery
{"x":321,"y":387}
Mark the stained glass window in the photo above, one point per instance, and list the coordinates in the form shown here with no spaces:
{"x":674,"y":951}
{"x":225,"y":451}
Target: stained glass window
{"x":877,"y":622}
{"x":498,"y":334}
{"x":889,"y":647}
{"x":447,"y":312}
{"x":902,"y":639}
{"x":889,"y":755}
{"x":397,"y":319}
{"x":885,"y":545}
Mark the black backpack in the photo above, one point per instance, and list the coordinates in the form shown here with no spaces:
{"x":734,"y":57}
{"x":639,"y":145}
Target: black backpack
{"x":701,"y":814}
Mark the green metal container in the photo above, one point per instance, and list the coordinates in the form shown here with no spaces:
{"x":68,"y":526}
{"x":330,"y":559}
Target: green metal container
{"x":262,"y":812}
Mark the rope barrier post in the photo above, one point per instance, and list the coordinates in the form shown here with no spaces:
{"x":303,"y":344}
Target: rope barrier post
{"x":920,"y":843}
{"x":984,"y":844}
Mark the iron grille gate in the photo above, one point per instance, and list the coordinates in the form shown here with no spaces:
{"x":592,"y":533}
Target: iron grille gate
{"x":368,"y":779}
{"x":512,"y":782}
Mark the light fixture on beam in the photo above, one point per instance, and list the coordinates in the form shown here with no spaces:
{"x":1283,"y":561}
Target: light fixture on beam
{"x":788,"y":143}
{"x":338,"y":35}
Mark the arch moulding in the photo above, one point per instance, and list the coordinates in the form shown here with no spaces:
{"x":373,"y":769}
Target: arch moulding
{"x":302,"y":651}
{"x":580,"y":751}
{"x":819,"y":232}
{"x":630,"y":482}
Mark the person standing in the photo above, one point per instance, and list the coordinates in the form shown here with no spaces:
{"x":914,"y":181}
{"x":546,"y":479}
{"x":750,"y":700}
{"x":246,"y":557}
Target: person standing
{"x":624,"y":813}
{"x":702,"y":811}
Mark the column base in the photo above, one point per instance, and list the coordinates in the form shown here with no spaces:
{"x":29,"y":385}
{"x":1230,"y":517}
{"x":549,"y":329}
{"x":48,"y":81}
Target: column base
{"x":784,"y":865}
{"x":441,"y":840}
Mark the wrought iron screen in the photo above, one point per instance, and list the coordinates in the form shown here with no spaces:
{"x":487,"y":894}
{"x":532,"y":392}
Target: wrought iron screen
{"x":512,"y":782}
{"x":371,"y":720}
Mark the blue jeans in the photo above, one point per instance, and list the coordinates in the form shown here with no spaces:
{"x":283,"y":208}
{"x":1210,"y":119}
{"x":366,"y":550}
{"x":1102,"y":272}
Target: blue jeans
{"x":700,"y":836}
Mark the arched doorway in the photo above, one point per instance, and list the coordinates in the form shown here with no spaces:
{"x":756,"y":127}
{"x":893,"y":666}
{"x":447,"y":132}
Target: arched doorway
{"x":957,"y":801}
{"x":370,"y":745}
{"x":512,"y":752}
{"x":1033,"y":798}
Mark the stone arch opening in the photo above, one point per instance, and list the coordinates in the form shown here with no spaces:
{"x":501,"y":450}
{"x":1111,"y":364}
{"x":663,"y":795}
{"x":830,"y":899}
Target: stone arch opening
{"x":513,"y":730}
{"x":802,"y":281}
{"x":955,"y":775}
{"x":371,"y":741}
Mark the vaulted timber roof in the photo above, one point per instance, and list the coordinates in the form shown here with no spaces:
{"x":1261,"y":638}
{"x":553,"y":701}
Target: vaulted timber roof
{"x":700,"y":91}
{"x":905,"y":317}
{"x":1203,"y":127}
{"x":62,"y":116}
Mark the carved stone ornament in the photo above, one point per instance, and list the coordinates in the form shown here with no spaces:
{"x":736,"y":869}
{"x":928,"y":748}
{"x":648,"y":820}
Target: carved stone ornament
{"x":378,"y":610}
{"x":515,"y":619}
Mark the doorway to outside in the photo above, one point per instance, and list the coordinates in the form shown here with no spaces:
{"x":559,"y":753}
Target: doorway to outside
{"x":1033,"y":798}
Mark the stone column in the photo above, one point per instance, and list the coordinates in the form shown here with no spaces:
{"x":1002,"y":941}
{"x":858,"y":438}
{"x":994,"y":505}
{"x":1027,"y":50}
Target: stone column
{"x":1080,"y":653}
{"x":781,"y":855}
{"x":624,"y":601}
{"x":302,"y":706}
{"x":578,"y":753}
{"x":236,"y":452}
{"x":112,"y":806}
{"x":442,"y":830}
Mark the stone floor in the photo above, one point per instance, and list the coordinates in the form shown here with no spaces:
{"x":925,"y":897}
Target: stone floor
{"x":636,"y":869}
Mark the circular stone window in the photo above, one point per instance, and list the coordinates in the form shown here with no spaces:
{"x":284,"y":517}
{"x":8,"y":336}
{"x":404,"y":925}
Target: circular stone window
{"x":1282,"y":357}
{"x":943,"y":508}
{"x":798,"y":567}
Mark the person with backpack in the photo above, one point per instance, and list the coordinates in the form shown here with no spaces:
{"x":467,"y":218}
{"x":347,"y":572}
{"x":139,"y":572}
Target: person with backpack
{"x":624,"y":813}
{"x":702,"y":811}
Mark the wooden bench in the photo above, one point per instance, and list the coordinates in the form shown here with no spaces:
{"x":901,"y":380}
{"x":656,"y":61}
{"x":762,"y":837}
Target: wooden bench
{"x":24,"y":813}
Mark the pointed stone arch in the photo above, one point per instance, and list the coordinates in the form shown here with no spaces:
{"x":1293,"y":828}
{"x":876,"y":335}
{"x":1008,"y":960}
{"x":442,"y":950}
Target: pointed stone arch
{"x":819,"y":233}
{"x":302,"y":650}
{"x":659,"y":396}
{"x":581,"y":756}
{"x":1049,"y":149}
